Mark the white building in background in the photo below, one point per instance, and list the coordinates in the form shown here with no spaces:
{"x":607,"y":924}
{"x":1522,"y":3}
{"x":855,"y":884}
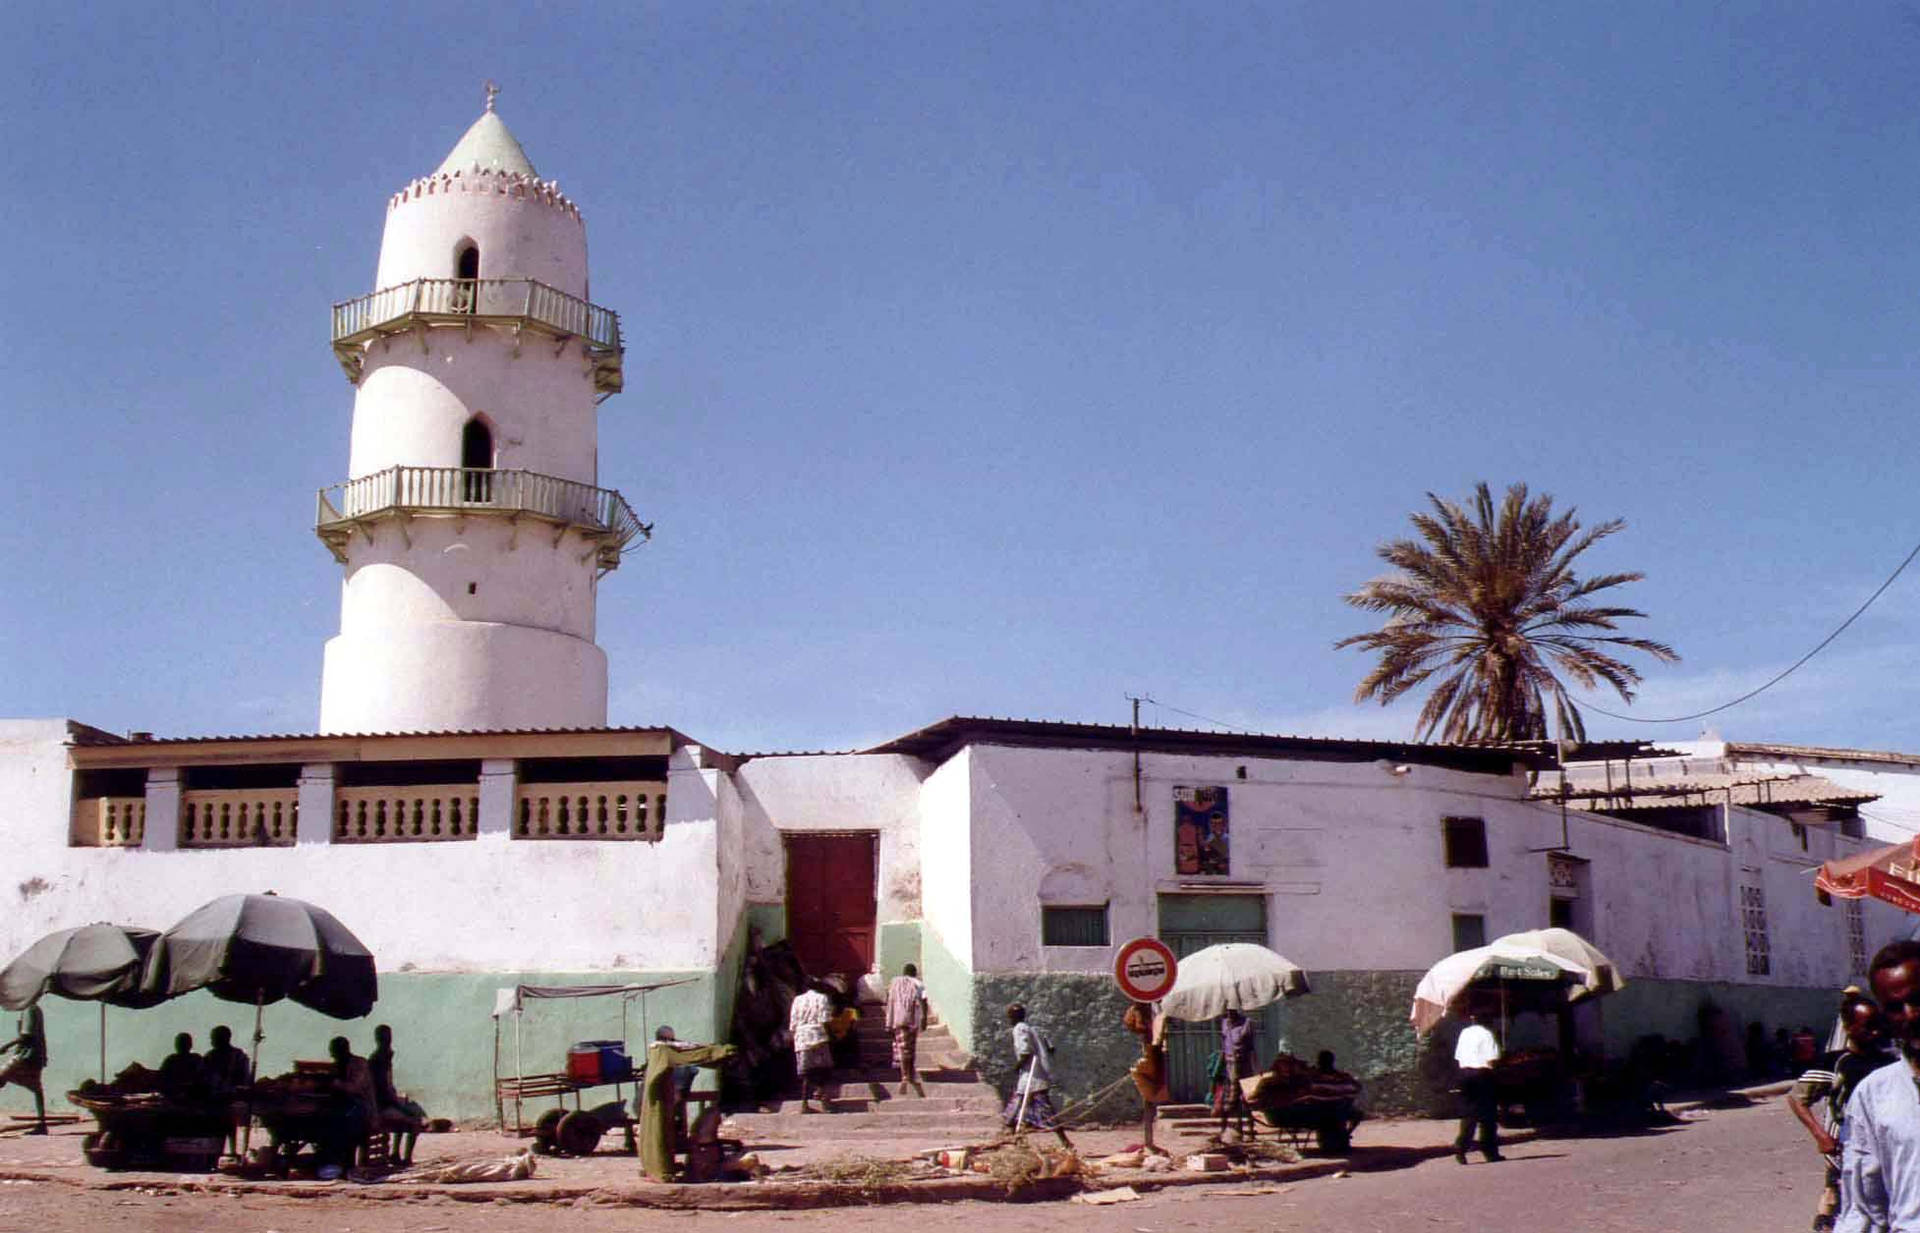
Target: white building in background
{"x":467,"y":812}
{"x":472,"y":526}
{"x":1006,"y":858}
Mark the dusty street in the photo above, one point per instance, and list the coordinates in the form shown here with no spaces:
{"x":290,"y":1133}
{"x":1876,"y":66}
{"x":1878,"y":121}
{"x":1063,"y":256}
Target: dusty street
{"x":1735,"y":1169}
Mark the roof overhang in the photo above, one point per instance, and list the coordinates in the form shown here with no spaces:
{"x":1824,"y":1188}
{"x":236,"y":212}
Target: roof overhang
{"x":378,"y":747}
{"x":940,"y":741}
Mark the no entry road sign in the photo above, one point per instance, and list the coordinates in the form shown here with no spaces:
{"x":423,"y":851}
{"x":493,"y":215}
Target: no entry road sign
{"x":1145,"y":969}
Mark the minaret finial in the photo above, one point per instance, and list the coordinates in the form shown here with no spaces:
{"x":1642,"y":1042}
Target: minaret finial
{"x":492,"y":90}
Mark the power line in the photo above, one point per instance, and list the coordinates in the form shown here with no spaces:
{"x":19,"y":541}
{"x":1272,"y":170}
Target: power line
{"x":1790,"y":670}
{"x":1218,"y":723}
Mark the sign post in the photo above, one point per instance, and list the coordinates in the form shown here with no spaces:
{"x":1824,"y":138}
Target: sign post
{"x":1145,"y":969}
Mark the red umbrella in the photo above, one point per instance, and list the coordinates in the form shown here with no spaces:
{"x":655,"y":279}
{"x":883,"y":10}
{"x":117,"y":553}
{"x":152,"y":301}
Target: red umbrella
{"x":1890,"y":874}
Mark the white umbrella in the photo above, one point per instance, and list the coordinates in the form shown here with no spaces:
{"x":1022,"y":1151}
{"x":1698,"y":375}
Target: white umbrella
{"x":1231,"y":976}
{"x":1601,"y":975}
{"x":1508,"y":965}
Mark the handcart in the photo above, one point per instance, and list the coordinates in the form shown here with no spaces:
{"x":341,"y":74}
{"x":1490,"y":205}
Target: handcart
{"x":145,"y":1130}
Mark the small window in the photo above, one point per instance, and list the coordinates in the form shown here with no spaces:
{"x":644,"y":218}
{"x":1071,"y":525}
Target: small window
{"x":1753,"y":919}
{"x":1466,"y":842}
{"x":1560,"y":913}
{"x":1857,"y":936}
{"x":1469,"y":931}
{"x":1074,"y":926}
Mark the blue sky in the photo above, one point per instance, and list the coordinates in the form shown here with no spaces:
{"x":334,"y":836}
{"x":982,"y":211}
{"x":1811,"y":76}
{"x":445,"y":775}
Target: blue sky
{"x":996,"y":359}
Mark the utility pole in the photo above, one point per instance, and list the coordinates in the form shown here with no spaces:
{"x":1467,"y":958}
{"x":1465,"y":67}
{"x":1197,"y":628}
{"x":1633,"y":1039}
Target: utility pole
{"x":1134,"y":732}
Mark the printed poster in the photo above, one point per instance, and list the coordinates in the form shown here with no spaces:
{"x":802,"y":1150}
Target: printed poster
{"x":1200,"y":831}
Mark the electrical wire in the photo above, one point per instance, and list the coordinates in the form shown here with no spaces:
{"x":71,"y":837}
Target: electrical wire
{"x":1218,"y":723}
{"x":1789,"y":671}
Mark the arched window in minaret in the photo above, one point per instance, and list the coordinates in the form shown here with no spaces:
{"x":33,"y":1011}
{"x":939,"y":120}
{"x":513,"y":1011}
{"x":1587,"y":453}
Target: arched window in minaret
{"x":466,"y":272}
{"x":476,"y":461}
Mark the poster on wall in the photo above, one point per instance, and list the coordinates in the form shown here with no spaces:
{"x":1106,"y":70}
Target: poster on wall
{"x":1200,"y":831}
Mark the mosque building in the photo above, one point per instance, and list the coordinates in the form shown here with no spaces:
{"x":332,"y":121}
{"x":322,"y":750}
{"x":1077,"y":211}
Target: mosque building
{"x":466,"y":809}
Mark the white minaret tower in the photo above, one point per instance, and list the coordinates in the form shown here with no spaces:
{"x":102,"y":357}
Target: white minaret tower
{"x":473,"y":528}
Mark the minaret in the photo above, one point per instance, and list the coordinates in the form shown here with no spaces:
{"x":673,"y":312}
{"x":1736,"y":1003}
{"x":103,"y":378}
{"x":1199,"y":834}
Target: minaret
{"x":473,"y":529}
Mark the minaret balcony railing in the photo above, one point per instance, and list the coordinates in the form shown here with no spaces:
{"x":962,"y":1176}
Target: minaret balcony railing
{"x":514,"y":304}
{"x":400,"y":493}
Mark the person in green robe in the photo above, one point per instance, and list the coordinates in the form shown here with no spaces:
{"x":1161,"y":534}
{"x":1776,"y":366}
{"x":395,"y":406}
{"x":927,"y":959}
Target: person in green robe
{"x":660,"y":1097}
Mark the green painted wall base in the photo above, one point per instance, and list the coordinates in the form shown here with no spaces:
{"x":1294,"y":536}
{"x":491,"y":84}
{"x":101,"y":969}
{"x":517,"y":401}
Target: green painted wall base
{"x":1363,"y":1017}
{"x":949,"y":988}
{"x":442,"y":1025}
{"x":770,"y":919}
{"x":1081,"y":1016}
{"x":899,"y":945}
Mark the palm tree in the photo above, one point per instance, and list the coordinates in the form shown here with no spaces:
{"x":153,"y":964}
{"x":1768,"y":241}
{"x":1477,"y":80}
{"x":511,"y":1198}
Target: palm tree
{"x":1486,"y":601}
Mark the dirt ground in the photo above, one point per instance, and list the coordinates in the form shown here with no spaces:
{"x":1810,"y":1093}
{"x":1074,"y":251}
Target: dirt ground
{"x":1738,"y":1168}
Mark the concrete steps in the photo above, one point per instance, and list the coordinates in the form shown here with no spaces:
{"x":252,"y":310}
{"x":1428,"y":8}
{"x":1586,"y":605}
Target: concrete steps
{"x":864,"y":1100}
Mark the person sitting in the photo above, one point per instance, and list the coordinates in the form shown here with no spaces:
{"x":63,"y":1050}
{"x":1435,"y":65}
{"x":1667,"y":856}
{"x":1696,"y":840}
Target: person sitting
{"x":352,"y":1105}
{"x":181,"y":1075}
{"x":226,"y":1071}
{"x":225,"y":1067}
{"x":402,"y":1118}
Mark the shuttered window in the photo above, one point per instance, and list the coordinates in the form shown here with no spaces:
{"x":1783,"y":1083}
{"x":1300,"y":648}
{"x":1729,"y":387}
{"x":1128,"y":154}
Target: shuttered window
{"x":1466,"y":842}
{"x":1469,"y":931}
{"x":1074,"y":926}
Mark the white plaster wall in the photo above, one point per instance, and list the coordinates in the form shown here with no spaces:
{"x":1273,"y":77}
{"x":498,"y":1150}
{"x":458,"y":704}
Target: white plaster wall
{"x":734,"y":855}
{"x":834,"y":792}
{"x":946,"y":855}
{"x":421,"y":572}
{"x":467,"y":676}
{"x":1348,"y":855}
{"x":536,"y":395}
{"x":1668,"y":906}
{"x":488,"y":904}
{"x":518,"y":236}
{"x":1351,"y":859}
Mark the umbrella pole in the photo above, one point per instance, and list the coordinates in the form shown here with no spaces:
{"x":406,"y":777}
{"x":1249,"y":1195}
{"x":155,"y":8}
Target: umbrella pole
{"x":103,"y":1042}
{"x":253,"y":1072}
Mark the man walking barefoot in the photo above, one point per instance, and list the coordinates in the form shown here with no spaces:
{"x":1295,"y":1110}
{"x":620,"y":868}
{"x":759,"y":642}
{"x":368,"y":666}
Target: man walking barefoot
{"x":906,"y":1019}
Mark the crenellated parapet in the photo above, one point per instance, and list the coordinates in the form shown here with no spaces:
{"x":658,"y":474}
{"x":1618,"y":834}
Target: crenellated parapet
{"x":487,"y":180}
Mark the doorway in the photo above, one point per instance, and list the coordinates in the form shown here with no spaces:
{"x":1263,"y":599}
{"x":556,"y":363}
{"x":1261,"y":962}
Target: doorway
{"x":476,"y":461}
{"x":1193,"y":922}
{"x":832,"y":900}
{"x":466,"y":269}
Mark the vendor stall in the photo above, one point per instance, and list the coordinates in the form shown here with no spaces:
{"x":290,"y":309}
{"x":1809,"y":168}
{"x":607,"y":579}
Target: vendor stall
{"x":589,"y":1064}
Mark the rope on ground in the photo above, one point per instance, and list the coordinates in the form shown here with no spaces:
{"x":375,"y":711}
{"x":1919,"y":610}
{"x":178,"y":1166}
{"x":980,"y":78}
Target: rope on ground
{"x":1076,"y":1112}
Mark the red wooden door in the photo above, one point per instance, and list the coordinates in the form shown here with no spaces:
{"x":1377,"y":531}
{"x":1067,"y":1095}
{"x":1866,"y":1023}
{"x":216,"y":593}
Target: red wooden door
{"x":831,"y":881}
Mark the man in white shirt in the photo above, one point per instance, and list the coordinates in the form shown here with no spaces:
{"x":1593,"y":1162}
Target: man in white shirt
{"x":1880,"y":1158}
{"x":1475,"y":1052}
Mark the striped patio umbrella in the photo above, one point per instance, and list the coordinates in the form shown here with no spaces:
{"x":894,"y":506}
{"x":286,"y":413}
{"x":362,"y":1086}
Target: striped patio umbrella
{"x":1890,"y":874}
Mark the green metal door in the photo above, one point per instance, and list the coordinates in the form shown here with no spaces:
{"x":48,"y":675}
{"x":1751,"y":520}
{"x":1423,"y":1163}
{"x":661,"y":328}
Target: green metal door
{"x":1192,"y":922}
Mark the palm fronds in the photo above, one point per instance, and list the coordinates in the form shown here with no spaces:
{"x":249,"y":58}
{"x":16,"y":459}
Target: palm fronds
{"x":1485,"y":606}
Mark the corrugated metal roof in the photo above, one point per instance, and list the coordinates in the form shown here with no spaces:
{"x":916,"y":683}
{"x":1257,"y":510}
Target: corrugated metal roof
{"x":942,"y":740}
{"x":1711,"y":789}
{"x":1818,"y":753}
